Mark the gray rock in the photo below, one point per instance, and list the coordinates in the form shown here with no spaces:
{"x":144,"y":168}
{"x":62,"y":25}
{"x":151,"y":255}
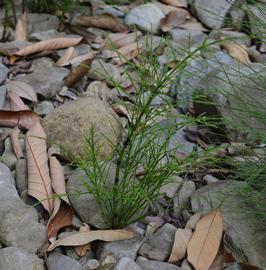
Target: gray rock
{"x":209,"y":179}
{"x":154,"y":265}
{"x":57,"y":261}
{"x":43,"y":108}
{"x":40,"y":22}
{"x":126,"y":263}
{"x":120,"y":249}
{"x":212,"y":13}
{"x":3,"y":72}
{"x":21,"y":175}
{"x":70,"y":123}
{"x":185,"y":265}
{"x":8,"y":157}
{"x":2,"y":94}
{"x":146,"y":17}
{"x":243,"y":231}
{"x":182,"y":197}
{"x":52,"y":33}
{"x":101,"y":70}
{"x":46,"y":79}
{"x":12,"y":258}
{"x":91,"y":264}
{"x":170,"y":189}
{"x":159,"y":245}
{"x":233,"y":266}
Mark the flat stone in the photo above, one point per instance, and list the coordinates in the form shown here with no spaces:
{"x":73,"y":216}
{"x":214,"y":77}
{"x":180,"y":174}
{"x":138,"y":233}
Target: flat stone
{"x":243,"y":231}
{"x":3,"y":73}
{"x":155,"y":265}
{"x":2,"y":95}
{"x":52,"y":33}
{"x":13,"y":258}
{"x":46,"y":79}
{"x":69,"y":124}
{"x":126,"y":263}
{"x":57,"y":261}
{"x":21,"y":175}
{"x":170,"y":189}
{"x":43,"y":108}
{"x":146,"y":17}
{"x":159,"y":245}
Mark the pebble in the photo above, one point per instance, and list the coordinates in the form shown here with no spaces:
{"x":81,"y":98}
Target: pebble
{"x":126,"y":263}
{"x":155,"y":265}
{"x":57,"y":261}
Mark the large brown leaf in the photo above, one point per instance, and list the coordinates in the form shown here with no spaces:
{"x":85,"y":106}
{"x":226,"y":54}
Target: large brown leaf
{"x":237,"y":51}
{"x":205,"y":242}
{"x":119,"y":40}
{"x":104,"y":21}
{"x":83,"y":238}
{"x":62,"y":214}
{"x":48,"y":45}
{"x":21,"y":31}
{"x":22,"y":119}
{"x":179,"y":250}
{"x":16,"y":103}
{"x":39,"y":181}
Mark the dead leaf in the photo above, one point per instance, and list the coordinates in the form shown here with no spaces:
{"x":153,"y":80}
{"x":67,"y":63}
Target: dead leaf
{"x":14,"y":136}
{"x":22,"y":89}
{"x":87,"y":35}
{"x":193,"y":220}
{"x":62,"y":214}
{"x":79,"y":59}
{"x":48,"y":45}
{"x":179,"y":250}
{"x":104,"y":21}
{"x":22,"y":119}
{"x":174,"y":3}
{"x":39,"y":181}
{"x":83,"y":238}
{"x":218,"y":263}
{"x":205,"y":242}
{"x":174,"y":19}
{"x":16,"y":103}
{"x":239,"y":52}
{"x":64,"y":59}
{"x":119,"y":40}
{"x":193,"y":25}
{"x":126,"y":53}
{"x":121,"y":110}
{"x":21,"y":31}
{"x":79,"y":72}
{"x":83,"y":250}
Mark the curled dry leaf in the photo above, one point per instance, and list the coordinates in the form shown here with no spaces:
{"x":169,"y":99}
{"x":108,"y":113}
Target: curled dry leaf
{"x":22,"y":89}
{"x":104,"y":21}
{"x":205,"y":242}
{"x":119,"y":40}
{"x":83,"y":250}
{"x":22,"y":119}
{"x":39,"y":181}
{"x":174,"y":3}
{"x":68,"y":55}
{"x":83,"y":238}
{"x":239,"y":52}
{"x":48,"y":45}
{"x":173,"y":19}
{"x":126,"y":53}
{"x":62,"y":214}
{"x":16,"y":103}
{"x":21,"y":31}
{"x":179,"y":250}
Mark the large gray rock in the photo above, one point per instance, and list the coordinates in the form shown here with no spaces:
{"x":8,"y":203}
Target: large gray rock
{"x":146,"y":17}
{"x":2,"y":95}
{"x":243,"y":231}
{"x":126,"y":263}
{"x":159,"y":245}
{"x":212,"y":13}
{"x":3,"y":72}
{"x":155,"y":265}
{"x":70,"y":123}
{"x":12,"y":258}
{"x":46,"y":79}
{"x":57,"y":261}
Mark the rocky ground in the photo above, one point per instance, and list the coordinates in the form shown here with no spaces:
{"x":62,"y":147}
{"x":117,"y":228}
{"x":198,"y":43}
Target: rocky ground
{"x":41,"y":81}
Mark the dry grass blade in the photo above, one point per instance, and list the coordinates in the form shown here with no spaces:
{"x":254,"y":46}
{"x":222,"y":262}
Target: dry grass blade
{"x":102,"y":21}
{"x":83,"y":238}
{"x":39,"y":181}
{"x":83,"y":250}
{"x":179,"y":250}
{"x":64,"y":59}
{"x":48,"y":45}
{"x":173,"y":19}
{"x":237,"y":51}
{"x":205,"y":242}
{"x":21,"y":32}
{"x":22,"y":89}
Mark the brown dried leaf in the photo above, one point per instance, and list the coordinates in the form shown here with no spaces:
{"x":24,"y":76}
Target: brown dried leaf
{"x":83,"y":238}
{"x":205,"y":242}
{"x":62,"y":214}
{"x":79,"y":72}
{"x":21,"y":31}
{"x":16,"y":103}
{"x":193,"y":25}
{"x":119,"y":40}
{"x":14,"y":136}
{"x":239,"y":52}
{"x":48,"y":45}
{"x":126,"y":53}
{"x":83,"y":250}
{"x":64,"y":59}
{"x":39,"y":181}
{"x":87,"y":35}
{"x":179,"y":250}
{"x":173,"y":19}
{"x":22,"y":119}
{"x":104,"y":21}
{"x":22,"y":89}
{"x":174,"y":3}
